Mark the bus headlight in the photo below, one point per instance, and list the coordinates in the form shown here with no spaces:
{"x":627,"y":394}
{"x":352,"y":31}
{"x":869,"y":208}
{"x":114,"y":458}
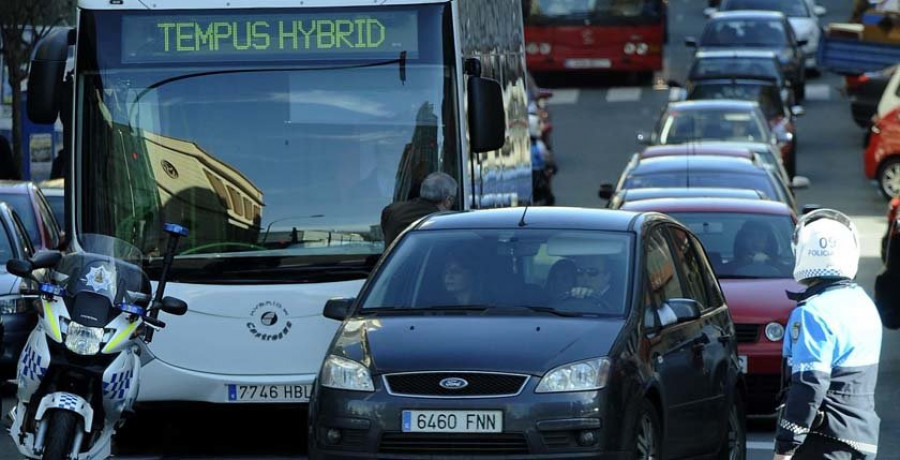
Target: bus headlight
{"x":83,"y":340}
{"x":642,"y":48}
{"x":346,"y":374}
{"x":545,"y":48}
{"x":774,"y":332}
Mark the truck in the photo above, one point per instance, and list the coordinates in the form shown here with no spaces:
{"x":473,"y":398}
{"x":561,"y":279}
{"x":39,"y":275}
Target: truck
{"x":276,"y":131}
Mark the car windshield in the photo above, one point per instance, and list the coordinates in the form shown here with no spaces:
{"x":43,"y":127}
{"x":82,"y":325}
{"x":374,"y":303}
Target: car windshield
{"x":522,"y":270}
{"x":23,"y":206}
{"x":680,"y":126}
{"x":767,"y":95}
{"x":744,"y":245}
{"x":57,"y":205}
{"x":790,"y":8}
{"x":693,"y":179}
{"x":744,"y":32}
{"x":729,"y":67}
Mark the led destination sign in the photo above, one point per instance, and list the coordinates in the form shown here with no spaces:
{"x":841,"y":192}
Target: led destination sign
{"x":268,"y":37}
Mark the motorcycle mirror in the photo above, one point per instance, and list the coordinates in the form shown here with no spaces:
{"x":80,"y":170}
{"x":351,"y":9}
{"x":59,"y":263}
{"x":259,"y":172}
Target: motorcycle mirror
{"x":45,"y":259}
{"x":174,"y":306}
{"x":19,"y":267}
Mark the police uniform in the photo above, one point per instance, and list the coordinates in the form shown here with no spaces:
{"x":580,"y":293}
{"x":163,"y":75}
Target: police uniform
{"x":832,"y":350}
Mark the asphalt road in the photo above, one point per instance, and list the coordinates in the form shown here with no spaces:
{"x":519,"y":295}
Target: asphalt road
{"x":595,"y":121}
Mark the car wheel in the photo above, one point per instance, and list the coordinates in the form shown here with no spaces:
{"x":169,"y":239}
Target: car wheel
{"x":648,"y":434}
{"x":734,"y":446}
{"x":889,"y":178}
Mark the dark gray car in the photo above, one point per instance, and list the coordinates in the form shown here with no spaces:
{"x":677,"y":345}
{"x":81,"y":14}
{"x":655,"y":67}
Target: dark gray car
{"x":533,"y":333}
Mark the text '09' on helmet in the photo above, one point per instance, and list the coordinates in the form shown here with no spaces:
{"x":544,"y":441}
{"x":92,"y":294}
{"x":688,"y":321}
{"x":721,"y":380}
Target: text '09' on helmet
{"x":826,"y":246}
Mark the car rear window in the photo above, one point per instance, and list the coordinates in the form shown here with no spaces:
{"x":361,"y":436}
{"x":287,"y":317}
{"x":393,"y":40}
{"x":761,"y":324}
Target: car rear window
{"x":738,"y":66}
{"x":679,"y":127}
{"x":23,"y":206}
{"x":744,"y":32}
{"x":759,"y":182}
{"x":767,"y":95}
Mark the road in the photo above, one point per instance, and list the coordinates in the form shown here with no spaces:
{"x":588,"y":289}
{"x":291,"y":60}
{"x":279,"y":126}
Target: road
{"x":595,"y":122}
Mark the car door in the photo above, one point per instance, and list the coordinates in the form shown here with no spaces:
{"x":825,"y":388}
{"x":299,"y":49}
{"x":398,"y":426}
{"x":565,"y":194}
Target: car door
{"x":697,"y":274}
{"x":674,"y":355}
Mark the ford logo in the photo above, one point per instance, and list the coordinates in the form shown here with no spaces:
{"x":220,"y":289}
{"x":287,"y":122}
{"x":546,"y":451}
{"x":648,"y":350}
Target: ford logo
{"x":453,"y":383}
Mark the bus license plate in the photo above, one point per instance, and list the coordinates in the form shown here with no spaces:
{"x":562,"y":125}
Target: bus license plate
{"x":587,"y":63}
{"x":291,"y":393}
{"x":742,"y":360}
{"x":452,"y":421}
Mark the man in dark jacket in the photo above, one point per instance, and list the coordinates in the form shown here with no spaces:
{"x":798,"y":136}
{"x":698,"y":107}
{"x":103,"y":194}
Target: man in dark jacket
{"x":437,"y":193}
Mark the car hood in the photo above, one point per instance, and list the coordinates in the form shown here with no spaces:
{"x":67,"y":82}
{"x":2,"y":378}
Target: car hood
{"x":518,"y":344}
{"x":760,"y":301}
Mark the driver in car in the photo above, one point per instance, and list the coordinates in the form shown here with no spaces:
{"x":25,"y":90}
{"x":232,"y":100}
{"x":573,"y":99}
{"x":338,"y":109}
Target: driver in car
{"x":593,"y":281}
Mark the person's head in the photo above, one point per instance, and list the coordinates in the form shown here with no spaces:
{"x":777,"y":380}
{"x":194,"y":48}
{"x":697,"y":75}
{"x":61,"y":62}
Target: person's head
{"x":754,"y":237}
{"x":459,"y":274}
{"x":561,"y":278}
{"x":593,"y":272}
{"x":440,"y":189}
{"x":826,"y":246}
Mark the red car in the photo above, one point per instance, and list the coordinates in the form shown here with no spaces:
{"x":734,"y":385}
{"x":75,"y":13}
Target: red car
{"x":749,"y":245}
{"x":882,"y":157}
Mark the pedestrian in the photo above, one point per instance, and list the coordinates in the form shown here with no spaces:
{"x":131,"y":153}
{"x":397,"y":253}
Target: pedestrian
{"x":8,"y":170}
{"x":437,"y":193}
{"x":831,"y":349}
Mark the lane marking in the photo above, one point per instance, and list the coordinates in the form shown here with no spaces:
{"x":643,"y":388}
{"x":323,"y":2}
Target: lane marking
{"x":870,"y":229}
{"x":564,"y":97}
{"x":761,"y":445}
{"x":818,"y":92}
{"x":623,"y":95}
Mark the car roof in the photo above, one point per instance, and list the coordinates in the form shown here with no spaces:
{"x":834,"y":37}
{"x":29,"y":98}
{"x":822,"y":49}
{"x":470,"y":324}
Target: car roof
{"x":744,"y":79}
{"x":657,"y":151}
{"x":15,"y":186}
{"x":747,"y":14}
{"x":736,"y":53}
{"x":708,"y":104}
{"x":534,"y":217}
{"x":704,"y":163}
{"x":740,"y":205}
{"x":653,"y":193}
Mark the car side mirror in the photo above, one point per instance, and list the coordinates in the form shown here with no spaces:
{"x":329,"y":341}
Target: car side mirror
{"x":798,"y":110}
{"x":606,"y":191}
{"x":338,"y":308}
{"x":19,"y":267}
{"x":685,"y":309}
{"x":643,"y":138}
{"x":709,"y":11}
{"x":174,"y":306}
{"x":800,"y":183}
{"x":820,"y":10}
{"x":690,"y":42}
{"x":46,"y":259}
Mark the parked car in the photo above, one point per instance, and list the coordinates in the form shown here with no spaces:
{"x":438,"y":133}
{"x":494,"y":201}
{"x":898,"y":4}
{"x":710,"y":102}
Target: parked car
{"x":803,"y":15}
{"x":749,"y":245}
{"x":764,"y":30}
{"x":881,"y":160}
{"x":638,"y":194}
{"x":18,"y":312}
{"x":700,"y":171}
{"x":865,"y":92}
{"x":429,"y":358}
{"x":29,"y":202}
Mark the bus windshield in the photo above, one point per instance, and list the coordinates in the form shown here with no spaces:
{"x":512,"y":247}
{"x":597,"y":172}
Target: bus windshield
{"x":602,"y":10}
{"x":276,"y":138}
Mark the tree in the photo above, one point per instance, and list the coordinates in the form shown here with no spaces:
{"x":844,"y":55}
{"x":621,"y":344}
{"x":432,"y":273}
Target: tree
{"x":23,"y":23}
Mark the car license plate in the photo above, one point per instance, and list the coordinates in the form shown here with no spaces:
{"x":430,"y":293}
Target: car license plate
{"x":587,"y":63}
{"x":293,"y":393}
{"x":452,"y":421}
{"x":742,"y":360}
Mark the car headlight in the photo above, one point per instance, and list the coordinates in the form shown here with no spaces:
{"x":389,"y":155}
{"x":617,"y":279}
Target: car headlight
{"x":82,"y":339}
{"x":588,"y":375}
{"x":346,"y":374}
{"x":532,"y":48}
{"x":774,"y":332}
{"x":18,"y":304}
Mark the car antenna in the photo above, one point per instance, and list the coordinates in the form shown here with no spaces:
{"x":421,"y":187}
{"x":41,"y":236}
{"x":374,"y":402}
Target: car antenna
{"x":522,"y":220}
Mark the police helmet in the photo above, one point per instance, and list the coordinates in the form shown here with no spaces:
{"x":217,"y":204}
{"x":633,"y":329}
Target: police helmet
{"x":826,"y":246}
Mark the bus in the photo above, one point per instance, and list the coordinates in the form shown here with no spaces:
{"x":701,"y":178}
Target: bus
{"x":595,"y":35}
{"x":276,"y":131}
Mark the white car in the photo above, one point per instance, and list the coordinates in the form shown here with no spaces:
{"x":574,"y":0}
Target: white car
{"x":802,"y":14}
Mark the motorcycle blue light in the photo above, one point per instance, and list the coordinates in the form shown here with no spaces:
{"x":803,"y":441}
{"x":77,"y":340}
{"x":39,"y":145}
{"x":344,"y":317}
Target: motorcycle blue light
{"x":51,"y":289}
{"x":133,"y":309}
{"x":176,"y":229}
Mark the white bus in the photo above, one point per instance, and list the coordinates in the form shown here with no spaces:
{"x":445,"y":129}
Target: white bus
{"x":276,"y":131}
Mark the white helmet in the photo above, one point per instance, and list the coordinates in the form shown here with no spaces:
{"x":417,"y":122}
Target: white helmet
{"x":825,"y":245}
{"x":534,"y":125}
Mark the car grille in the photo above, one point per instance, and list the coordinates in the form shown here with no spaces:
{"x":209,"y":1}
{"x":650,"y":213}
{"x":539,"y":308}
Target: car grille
{"x":480,"y":384}
{"x":453,"y":444}
{"x":747,"y":333}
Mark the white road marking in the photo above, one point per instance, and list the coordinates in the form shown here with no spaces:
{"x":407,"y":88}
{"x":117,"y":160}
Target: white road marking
{"x":818,"y":92}
{"x":761,"y":445}
{"x":564,"y":97}
{"x":871,"y":229}
{"x":623,"y":95}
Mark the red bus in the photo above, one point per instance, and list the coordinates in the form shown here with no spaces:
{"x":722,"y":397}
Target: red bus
{"x":595,"y":35}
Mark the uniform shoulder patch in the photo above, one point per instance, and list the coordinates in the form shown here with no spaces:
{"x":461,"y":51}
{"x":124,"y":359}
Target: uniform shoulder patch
{"x":795,"y":331}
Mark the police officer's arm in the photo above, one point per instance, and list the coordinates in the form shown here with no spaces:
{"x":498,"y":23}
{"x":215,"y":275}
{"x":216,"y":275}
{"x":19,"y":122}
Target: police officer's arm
{"x":812,"y":353}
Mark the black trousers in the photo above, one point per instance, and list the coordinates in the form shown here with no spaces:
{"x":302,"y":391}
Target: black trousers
{"x":817,"y":447}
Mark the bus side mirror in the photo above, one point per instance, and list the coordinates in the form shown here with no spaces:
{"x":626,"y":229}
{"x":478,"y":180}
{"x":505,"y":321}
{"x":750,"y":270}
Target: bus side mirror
{"x":45,"y":80}
{"x":487,"y":116}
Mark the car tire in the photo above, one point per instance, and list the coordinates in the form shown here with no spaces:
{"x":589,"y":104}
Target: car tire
{"x":647,"y":433}
{"x":734,"y":445}
{"x":791,"y":164}
{"x":888,"y":172}
{"x":800,"y":93}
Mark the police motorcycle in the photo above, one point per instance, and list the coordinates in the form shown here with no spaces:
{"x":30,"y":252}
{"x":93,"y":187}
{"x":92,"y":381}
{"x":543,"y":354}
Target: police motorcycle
{"x":80,"y":369}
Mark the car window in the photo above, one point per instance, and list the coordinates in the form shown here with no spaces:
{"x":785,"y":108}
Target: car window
{"x":738,"y":66}
{"x":681,"y":126}
{"x":662,"y":280}
{"x":51,"y":226}
{"x":767,"y":95}
{"x":689,"y":263}
{"x":27,"y":245}
{"x":58,"y":206}
{"x":746,"y":32}
{"x":714,"y":294}
{"x":21,"y":203}
{"x":585,"y":272}
{"x":7,"y":250}
{"x":760,"y":182}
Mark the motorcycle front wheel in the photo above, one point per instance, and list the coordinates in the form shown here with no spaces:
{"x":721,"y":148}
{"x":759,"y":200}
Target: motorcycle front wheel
{"x":61,"y":426}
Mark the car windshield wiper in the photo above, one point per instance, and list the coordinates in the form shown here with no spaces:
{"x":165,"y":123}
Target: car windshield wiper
{"x":551,"y":310}
{"x":436,"y":309}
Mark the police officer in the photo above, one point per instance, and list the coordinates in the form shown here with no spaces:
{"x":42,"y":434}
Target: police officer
{"x":832,"y":348}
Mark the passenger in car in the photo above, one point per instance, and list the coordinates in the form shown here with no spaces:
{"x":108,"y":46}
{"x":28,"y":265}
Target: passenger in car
{"x":459,"y":279}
